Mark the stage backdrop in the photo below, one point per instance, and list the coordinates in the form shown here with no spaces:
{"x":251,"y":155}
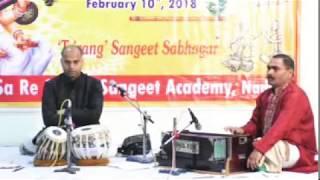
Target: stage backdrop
{"x":163,"y":52}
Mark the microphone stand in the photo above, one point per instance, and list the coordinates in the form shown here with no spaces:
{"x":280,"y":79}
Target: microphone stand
{"x":175,"y":134}
{"x":68,"y":124}
{"x":146,"y":118}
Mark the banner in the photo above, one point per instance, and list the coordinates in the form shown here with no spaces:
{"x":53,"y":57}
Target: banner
{"x":166,"y":51}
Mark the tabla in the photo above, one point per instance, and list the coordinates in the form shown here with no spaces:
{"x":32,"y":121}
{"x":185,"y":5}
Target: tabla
{"x":90,"y":145}
{"x":51,"y":150}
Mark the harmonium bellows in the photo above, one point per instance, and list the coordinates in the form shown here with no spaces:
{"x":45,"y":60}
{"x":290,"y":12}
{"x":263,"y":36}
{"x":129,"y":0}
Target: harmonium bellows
{"x":223,"y":153}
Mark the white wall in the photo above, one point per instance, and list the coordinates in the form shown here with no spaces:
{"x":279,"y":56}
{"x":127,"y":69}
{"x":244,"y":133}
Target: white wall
{"x":19,"y":124}
{"x":309,"y":72}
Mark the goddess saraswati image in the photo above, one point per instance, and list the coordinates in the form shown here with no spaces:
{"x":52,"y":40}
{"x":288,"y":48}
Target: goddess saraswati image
{"x":19,"y":53}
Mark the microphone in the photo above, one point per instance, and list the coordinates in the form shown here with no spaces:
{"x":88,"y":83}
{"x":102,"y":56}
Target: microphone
{"x":69,"y":103}
{"x":194,"y":120}
{"x":68,"y":116}
{"x":122,"y":91}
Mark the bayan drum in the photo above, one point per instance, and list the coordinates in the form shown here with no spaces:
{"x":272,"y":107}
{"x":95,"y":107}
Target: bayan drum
{"x":51,"y":150}
{"x":90,"y":145}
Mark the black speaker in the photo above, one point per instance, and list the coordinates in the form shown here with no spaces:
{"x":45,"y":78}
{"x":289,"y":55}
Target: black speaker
{"x":133,"y":145}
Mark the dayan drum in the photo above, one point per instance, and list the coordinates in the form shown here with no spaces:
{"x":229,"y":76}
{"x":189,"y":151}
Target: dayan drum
{"x":90,"y":145}
{"x":51,"y":150}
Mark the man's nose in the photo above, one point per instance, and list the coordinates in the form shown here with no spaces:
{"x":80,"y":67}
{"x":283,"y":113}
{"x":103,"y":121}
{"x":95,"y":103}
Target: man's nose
{"x":71,"y":65}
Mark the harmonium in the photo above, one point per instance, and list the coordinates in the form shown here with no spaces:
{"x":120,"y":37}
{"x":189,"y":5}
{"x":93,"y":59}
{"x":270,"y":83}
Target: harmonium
{"x":221,"y":153}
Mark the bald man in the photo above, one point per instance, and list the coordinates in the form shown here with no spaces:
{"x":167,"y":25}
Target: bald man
{"x":84,"y":91}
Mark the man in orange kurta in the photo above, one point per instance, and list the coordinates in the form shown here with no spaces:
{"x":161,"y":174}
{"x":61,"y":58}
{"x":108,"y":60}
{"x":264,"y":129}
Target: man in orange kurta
{"x":282,"y":122}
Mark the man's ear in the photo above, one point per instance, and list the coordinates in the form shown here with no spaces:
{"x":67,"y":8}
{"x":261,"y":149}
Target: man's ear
{"x":291,"y":72}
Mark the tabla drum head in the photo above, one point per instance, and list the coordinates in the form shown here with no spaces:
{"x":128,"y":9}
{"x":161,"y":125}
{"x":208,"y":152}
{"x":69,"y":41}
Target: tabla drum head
{"x":56,"y":134}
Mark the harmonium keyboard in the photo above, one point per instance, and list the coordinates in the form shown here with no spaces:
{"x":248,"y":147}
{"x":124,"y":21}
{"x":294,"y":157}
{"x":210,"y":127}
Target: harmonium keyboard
{"x":222,"y":153}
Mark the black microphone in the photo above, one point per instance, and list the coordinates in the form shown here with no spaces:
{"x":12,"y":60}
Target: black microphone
{"x":194,"y":120}
{"x":68,"y":114}
{"x":122,"y":91}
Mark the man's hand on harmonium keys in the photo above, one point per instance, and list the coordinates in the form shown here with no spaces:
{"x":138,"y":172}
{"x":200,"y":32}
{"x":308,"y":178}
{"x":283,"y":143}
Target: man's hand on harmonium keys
{"x":234,"y":130}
